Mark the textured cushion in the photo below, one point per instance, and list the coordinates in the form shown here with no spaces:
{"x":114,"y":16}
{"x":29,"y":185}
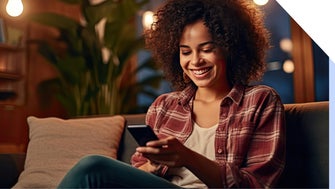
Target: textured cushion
{"x":56,"y":145}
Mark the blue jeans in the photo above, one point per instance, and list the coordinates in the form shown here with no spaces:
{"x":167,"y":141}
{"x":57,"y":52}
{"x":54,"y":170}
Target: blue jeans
{"x":96,"y":171}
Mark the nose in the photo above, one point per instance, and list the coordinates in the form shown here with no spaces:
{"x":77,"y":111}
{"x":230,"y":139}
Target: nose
{"x":196,"y":59}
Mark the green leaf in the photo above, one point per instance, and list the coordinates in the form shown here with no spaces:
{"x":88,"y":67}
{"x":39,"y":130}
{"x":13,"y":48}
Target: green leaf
{"x":94,"y":13}
{"x":47,"y":52}
{"x":72,"y":68}
{"x":55,"y":20}
{"x":87,"y":84}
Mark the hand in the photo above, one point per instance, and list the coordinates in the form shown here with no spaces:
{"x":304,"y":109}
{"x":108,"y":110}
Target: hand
{"x":168,"y":151}
{"x":151,"y":167}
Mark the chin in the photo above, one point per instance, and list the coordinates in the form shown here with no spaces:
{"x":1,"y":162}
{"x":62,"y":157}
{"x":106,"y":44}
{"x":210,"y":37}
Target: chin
{"x":202,"y":84}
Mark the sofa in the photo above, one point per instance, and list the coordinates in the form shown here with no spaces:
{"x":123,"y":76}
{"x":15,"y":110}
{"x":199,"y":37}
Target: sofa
{"x":307,"y":160}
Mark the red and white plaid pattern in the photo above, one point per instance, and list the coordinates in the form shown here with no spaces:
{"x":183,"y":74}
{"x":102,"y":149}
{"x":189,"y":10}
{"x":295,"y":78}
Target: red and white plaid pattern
{"x":250,"y":138}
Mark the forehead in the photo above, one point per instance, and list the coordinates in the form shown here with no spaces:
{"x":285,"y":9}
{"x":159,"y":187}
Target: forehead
{"x":195,"y":32}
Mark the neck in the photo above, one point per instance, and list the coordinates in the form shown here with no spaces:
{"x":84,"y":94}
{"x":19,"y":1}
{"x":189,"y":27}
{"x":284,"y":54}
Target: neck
{"x":211,"y":95}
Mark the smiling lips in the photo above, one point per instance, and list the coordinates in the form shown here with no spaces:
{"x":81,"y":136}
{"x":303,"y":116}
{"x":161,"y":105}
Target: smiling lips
{"x":200,"y":72}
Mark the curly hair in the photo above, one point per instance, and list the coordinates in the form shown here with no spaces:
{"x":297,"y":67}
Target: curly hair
{"x":235,"y":25}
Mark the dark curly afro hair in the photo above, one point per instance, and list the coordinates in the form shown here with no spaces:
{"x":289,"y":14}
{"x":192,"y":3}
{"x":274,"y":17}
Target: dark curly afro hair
{"x":235,"y":25}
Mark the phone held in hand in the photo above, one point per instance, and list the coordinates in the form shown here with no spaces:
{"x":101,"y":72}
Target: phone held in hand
{"x":142,"y":133}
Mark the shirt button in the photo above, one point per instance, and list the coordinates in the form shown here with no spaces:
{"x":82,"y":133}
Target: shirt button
{"x":220,"y":151}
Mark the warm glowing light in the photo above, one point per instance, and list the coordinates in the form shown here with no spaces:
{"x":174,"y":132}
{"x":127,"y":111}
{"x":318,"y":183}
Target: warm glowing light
{"x":147,"y":19}
{"x":286,"y":45}
{"x":288,"y":66}
{"x":260,"y":2}
{"x":14,"y":7}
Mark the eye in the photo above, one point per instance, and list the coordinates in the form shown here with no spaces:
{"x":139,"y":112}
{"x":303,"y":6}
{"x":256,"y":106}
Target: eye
{"x":208,"y":49}
{"x":185,"y":51}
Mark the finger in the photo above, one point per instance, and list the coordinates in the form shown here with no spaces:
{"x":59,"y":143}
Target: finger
{"x":160,"y":157}
{"x":161,"y":142}
{"x":149,"y":150}
{"x":138,"y":153}
{"x":165,"y":162}
{"x":157,"y":143}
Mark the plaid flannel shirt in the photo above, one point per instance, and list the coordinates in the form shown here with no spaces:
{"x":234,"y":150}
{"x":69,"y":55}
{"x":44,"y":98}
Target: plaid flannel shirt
{"x":250,"y":138}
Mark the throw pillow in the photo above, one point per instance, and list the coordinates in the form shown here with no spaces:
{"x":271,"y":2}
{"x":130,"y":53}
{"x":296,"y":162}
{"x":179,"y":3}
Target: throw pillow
{"x":56,"y":145}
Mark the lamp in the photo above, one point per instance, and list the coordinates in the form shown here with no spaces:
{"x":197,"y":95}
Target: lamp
{"x":288,"y":66}
{"x":147,"y":19}
{"x":261,"y":2}
{"x":14,"y":8}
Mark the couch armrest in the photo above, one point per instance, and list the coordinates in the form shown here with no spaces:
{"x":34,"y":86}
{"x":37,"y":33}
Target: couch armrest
{"x":307,"y":146}
{"x":11,"y":165}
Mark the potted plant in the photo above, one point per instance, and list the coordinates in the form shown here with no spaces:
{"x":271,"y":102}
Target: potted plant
{"x":95,"y":72}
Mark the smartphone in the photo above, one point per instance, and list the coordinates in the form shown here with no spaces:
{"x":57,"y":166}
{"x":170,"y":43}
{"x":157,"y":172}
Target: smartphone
{"x":142,"y":133}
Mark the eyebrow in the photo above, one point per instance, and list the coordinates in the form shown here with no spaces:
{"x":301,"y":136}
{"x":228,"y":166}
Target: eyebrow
{"x":201,"y":44}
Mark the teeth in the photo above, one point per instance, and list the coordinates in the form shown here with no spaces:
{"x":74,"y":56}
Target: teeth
{"x":199,"y":72}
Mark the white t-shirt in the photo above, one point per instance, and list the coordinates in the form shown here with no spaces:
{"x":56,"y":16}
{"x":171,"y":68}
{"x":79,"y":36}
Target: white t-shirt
{"x":201,"y":141}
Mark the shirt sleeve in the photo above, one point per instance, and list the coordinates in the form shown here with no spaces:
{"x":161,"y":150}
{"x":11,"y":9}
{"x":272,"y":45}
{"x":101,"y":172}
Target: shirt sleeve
{"x":265,"y":157}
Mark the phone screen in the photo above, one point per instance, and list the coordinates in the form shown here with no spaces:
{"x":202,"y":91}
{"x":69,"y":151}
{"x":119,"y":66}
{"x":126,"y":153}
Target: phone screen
{"x":142,"y":133}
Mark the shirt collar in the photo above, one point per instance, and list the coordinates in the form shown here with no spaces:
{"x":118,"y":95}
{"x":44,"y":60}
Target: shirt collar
{"x":187,"y":94}
{"x":236,"y":94}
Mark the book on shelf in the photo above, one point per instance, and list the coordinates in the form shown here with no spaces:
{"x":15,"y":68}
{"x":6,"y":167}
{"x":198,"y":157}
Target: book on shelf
{"x":14,"y":36}
{"x":10,"y":35}
{"x":2,"y":31}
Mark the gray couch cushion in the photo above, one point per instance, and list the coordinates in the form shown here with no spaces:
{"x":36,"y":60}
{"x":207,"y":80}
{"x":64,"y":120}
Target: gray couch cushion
{"x":11,"y":165}
{"x":307,"y":144}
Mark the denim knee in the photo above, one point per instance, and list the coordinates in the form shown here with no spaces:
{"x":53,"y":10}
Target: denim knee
{"x":81,"y":173}
{"x":92,"y":163}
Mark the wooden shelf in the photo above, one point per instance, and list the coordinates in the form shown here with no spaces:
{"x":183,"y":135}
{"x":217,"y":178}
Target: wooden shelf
{"x":10,"y":76}
{"x":5,"y":95}
{"x":6,"y":47}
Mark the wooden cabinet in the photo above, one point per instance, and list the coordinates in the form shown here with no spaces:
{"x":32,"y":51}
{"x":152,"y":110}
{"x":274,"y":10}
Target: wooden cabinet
{"x":13,"y":61}
{"x":12,"y":75}
{"x":13,"y":83}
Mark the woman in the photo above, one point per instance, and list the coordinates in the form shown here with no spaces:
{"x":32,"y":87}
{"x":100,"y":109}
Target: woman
{"x":215,"y":130}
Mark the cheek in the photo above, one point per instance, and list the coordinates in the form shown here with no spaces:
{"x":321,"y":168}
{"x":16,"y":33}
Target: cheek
{"x":182,"y":62}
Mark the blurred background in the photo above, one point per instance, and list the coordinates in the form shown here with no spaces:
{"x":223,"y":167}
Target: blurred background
{"x":59,"y":59}
{"x":311,"y":68}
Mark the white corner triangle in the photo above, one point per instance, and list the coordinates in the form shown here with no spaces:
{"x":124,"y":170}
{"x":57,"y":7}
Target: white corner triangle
{"x":316,"y":18}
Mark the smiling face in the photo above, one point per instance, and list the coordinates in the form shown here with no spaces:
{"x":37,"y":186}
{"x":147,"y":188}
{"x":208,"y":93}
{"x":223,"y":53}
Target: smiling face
{"x":201,"y":59}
